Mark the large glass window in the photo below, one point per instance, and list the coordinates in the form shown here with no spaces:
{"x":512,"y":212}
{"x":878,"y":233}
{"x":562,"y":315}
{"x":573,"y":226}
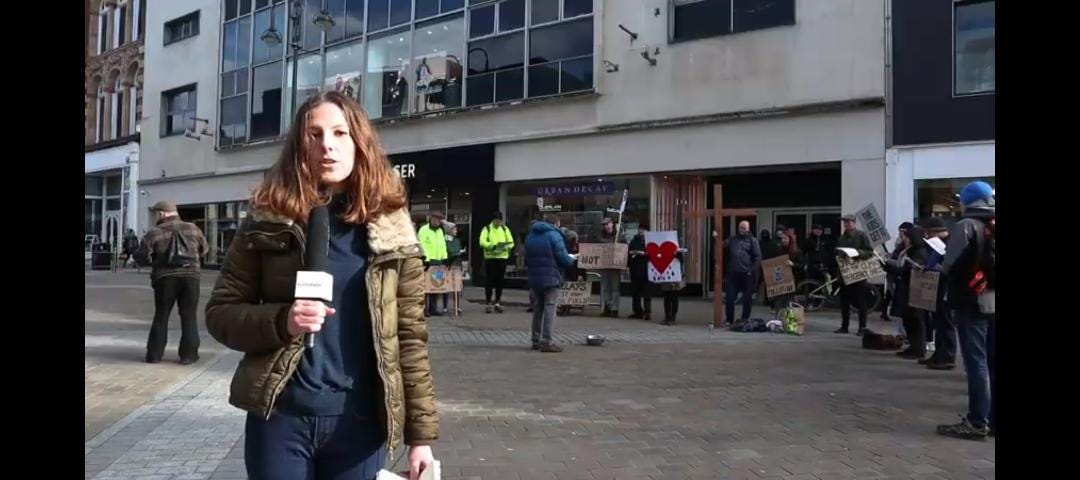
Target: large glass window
{"x":179,"y":110}
{"x":495,"y":69}
{"x":348,"y":19}
{"x":975,"y":65}
{"x":266,"y":101}
{"x":430,"y":8}
{"x":233,"y":120}
{"x":386,"y":90}
{"x":343,"y":69}
{"x":437,"y":53}
{"x":388,"y":13}
{"x":544,"y":11}
{"x":940,"y":197}
{"x":560,"y":57}
{"x":694,"y":19}
{"x":261,"y":52}
{"x":308,"y":80}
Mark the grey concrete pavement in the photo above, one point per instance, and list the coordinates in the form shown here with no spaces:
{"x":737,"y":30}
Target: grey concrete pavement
{"x":655,"y":402}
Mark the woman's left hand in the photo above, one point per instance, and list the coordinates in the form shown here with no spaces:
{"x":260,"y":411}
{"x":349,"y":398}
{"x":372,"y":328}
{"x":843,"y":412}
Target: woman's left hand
{"x":420,"y":459}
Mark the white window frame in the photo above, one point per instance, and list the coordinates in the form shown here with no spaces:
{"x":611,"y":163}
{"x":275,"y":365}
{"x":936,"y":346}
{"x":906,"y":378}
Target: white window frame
{"x":133,"y":118}
{"x":135,"y":20}
{"x":98,"y":112}
{"x":117,"y":110}
{"x":115,"y":31}
{"x":103,"y":27}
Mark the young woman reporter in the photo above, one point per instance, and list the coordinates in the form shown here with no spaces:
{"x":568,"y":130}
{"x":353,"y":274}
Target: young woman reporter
{"x":337,"y":410}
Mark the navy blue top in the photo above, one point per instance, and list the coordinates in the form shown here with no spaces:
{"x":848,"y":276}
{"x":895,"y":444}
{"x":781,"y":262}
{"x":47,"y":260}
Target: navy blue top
{"x":338,"y":375}
{"x":545,"y":256}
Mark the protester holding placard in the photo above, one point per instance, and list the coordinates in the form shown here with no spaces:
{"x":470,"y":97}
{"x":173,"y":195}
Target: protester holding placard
{"x":912,"y":255}
{"x":796,"y":261}
{"x":944,"y":357}
{"x":890,"y":278}
{"x":854,"y":294}
{"x":609,"y":277}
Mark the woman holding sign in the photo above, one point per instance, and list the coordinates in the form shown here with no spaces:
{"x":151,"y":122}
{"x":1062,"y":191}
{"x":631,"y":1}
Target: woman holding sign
{"x":339,"y":408}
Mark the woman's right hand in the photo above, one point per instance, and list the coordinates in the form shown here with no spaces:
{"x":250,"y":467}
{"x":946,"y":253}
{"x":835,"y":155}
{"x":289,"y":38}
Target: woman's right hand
{"x":307,"y":316}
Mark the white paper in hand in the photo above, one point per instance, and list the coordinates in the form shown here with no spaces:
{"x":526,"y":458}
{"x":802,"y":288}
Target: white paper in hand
{"x":936,"y":244}
{"x":850,"y":252}
{"x":434,"y":472}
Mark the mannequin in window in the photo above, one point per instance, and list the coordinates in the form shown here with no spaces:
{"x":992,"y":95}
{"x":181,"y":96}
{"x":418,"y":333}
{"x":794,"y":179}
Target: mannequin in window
{"x":423,"y":78}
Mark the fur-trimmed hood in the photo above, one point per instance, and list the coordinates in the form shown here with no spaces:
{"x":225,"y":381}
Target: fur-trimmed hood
{"x":387,"y":233}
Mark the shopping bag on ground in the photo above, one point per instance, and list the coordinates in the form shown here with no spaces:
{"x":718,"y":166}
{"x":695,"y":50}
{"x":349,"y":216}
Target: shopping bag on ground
{"x":794,"y":317}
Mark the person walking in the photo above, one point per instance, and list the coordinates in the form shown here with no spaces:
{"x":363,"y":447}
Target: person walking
{"x":944,"y":357}
{"x":174,"y":249}
{"x":856,"y":293}
{"x":496,"y":241}
{"x":640,"y":288}
{"x":546,"y":258}
{"x":970,"y":268}
{"x":610,"y":278}
{"x":744,"y":253}
{"x":433,"y":241}
{"x":130,"y":246}
{"x":339,"y":409}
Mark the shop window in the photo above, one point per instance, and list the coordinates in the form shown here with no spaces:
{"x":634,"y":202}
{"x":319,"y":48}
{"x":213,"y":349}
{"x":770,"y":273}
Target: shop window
{"x":974,"y":63}
{"x":941,"y":197}
{"x":308,"y":80}
{"x":438,"y":72}
{"x":386,"y":90}
{"x":343,"y":66}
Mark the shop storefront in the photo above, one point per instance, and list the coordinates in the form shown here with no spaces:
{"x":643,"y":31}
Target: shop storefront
{"x":925,"y":181}
{"x":581,"y":204}
{"x":458,"y":182}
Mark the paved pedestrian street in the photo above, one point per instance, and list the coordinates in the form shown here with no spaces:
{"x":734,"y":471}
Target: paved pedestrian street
{"x":655,"y":402}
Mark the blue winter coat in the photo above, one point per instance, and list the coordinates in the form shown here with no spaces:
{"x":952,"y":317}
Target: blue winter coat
{"x":545,"y":256}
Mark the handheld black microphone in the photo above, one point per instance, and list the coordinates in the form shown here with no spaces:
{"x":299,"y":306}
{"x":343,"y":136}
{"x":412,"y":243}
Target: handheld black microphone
{"x":313,"y":283}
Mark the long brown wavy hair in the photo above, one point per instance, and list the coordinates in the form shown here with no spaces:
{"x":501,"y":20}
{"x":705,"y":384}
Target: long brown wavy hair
{"x":291,"y":186}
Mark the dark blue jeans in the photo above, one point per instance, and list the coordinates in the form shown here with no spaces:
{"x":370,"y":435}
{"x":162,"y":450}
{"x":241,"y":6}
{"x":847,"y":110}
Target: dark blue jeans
{"x":976,"y":332}
{"x":287,"y":447}
{"x":734,"y":284}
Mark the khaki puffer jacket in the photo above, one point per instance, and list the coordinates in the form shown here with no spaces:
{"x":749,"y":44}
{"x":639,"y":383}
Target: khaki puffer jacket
{"x":248,"y":308}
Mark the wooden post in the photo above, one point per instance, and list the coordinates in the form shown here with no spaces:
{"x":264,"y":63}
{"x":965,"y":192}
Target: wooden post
{"x":719,"y":212}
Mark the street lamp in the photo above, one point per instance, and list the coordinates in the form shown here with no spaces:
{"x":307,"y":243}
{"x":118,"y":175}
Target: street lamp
{"x":272,"y":38}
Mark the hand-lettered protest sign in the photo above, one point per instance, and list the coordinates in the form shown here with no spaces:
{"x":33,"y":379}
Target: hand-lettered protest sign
{"x":853,"y":270}
{"x":779,"y":279}
{"x":602,"y":256}
{"x":872,"y":223}
{"x":575,"y":293}
{"x":661,"y":248}
{"x":924,"y":289}
{"x":441,"y":279}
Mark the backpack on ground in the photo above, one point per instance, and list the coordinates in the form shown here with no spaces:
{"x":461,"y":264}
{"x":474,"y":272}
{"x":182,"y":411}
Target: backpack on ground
{"x":180,"y":254}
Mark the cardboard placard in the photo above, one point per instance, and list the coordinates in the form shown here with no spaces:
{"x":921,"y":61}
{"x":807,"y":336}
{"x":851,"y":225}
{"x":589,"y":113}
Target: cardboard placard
{"x":575,"y":293}
{"x":661,"y":248}
{"x":854,"y":270}
{"x":779,"y":279}
{"x":602,"y":256}
{"x":442,"y":279}
{"x":873,"y":224}
{"x":923,"y":290}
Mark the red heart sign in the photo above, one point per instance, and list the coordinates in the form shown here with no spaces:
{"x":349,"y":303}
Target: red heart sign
{"x":661,"y":256}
